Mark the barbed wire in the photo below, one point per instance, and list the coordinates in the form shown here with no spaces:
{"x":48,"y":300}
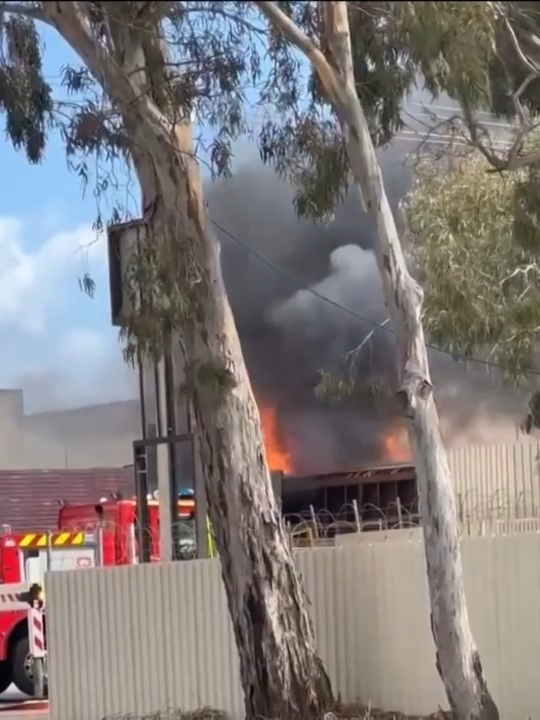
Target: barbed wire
{"x":303,"y":533}
{"x":317,"y":531}
{"x":472,"y":503}
{"x":499,"y":513}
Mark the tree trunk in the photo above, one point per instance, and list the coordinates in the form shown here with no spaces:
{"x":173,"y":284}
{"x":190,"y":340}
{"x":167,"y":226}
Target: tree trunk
{"x":281,"y":673}
{"x":457,"y":658}
{"x":282,"y":676}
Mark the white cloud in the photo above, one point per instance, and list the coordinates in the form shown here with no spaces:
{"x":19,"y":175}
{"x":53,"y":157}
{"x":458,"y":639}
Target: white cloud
{"x":61,"y":348}
{"x":32,"y":273}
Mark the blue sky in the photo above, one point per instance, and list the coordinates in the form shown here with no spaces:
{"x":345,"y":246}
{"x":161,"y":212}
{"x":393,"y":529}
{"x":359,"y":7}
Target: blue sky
{"x":56,"y":341}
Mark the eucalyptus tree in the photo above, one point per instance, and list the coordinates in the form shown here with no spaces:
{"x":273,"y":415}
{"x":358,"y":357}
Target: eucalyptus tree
{"x":147,"y":74}
{"x":478,"y":215}
{"x":449,"y":58}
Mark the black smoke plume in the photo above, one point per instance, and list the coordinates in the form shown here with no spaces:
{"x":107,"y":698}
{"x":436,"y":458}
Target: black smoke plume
{"x":289,"y":335}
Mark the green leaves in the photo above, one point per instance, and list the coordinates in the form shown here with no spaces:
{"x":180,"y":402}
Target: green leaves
{"x":220,"y":64}
{"x":448,"y":44}
{"x":336,"y":387}
{"x":311,"y":155}
{"x":223,"y":65}
{"x":25,"y":96}
{"x":478,"y":264}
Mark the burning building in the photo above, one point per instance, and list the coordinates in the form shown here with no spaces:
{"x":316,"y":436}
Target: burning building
{"x":381,"y":491}
{"x":307,"y":298}
{"x":290,"y":333}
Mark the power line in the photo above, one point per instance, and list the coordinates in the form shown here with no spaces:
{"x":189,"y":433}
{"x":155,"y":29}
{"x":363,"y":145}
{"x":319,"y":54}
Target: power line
{"x":294,"y":280}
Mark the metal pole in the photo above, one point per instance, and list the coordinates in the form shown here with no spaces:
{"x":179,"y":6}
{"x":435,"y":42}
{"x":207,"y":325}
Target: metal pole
{"x":170,"y":430}
{"x":203,"y":528}
{"x":142,"y":394}
{"x":357,"y":518}
{"x":49,"y":551}
{"x":142,"y":504}
{"x":159,"y":428}
{"x":99,"y":545}
{"x":314,"y":520}
{"x":164,"y":471}
{"x":132,"y":550}
{"x":36,"y":638}
{"x":399,"y":512}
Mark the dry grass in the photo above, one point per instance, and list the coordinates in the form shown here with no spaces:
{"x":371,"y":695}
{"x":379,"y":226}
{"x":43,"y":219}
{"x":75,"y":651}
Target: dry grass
{"x":344,"y":712}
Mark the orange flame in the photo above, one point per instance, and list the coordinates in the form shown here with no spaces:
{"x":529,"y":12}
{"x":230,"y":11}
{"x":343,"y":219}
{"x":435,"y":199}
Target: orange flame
{"x":277,"y":455}
{"x":396,"y":446}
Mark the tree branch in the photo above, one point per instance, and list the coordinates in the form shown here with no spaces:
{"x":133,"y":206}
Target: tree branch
{"x":32,"y":11}
{"x":289,"y":28}
{"x":306,"y":46}
{"x":71,"y":21}
{"x":218,"y":10}
{"x":533,"y":67}
{"x":338,"y":92}
{"x":512,"y":160}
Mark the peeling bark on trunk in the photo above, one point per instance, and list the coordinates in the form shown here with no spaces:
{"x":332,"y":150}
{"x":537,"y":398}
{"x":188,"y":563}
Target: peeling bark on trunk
{"x":457,"y":658}
{"x":282,"y":676}
{"x":281,"y":673}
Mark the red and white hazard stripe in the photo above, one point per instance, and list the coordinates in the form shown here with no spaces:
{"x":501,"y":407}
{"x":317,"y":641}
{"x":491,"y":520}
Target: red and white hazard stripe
{"x":8,"y":598}
{"x":36,"y":629}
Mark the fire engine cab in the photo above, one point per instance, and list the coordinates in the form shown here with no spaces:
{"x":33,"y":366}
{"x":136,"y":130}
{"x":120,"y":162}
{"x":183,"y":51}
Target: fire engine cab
{"x":117,"y":525}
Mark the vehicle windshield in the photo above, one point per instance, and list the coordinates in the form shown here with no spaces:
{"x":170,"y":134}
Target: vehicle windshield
{"x":184,"y":538}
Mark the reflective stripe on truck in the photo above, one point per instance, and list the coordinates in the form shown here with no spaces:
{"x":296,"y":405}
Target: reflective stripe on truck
{"x":43,"y":540}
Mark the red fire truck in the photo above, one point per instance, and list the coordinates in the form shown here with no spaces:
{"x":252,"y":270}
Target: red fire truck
{"x":116,"y":522}
{"x":23,"y":561}
{"x":102,"y":534}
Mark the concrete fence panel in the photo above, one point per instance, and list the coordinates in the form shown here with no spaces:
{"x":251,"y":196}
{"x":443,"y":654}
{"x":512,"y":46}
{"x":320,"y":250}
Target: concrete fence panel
{"x":143,"y":638}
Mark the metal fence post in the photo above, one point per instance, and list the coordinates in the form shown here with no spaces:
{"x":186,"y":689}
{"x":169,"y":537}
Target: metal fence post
{"x":357,"y":517}
{"x":132,"y":546}
{"x":99,"y":545}
{"x":314,"y":521}
{"x":49,"y":551}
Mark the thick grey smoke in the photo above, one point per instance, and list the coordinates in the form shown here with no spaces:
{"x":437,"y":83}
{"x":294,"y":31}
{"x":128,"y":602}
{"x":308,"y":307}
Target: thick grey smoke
{"x":289,"y":334}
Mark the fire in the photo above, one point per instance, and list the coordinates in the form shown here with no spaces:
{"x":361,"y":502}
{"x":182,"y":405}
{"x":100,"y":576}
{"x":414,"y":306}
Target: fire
{"x":396,"y":446}
{"x":277,"y":455}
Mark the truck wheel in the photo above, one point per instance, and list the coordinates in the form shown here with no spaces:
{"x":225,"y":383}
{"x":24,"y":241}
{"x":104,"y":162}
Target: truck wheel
{"x":22,"y":667}
{"x":6,"y":676}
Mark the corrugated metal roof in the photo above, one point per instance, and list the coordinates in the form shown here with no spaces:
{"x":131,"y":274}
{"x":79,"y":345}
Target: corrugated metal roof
{"x":29,"y":498}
